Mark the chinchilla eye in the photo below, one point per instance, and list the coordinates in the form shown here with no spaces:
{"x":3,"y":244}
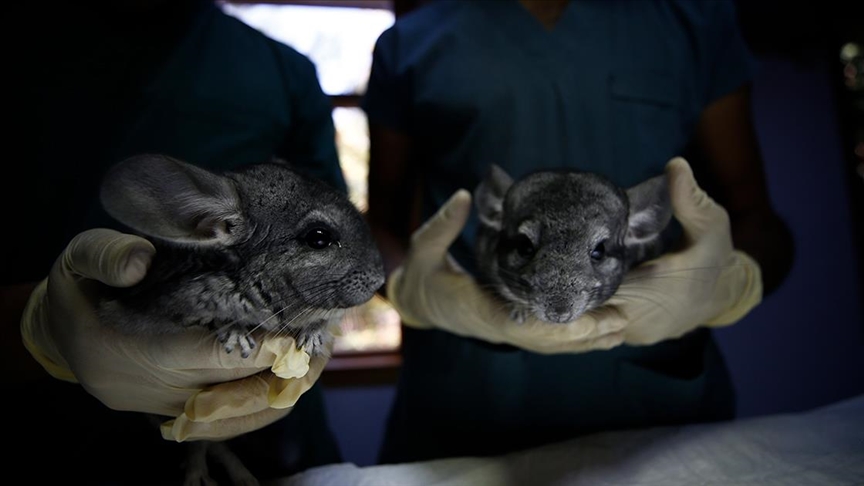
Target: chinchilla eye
{"x":318,"y":239}
{"x":524,"y":247}
{"x":599,"y":251}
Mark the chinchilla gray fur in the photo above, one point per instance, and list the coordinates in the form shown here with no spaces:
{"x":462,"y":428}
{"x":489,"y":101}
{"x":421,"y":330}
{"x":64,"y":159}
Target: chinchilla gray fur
{"x":556,"y":244}
{"x":261,"y":248}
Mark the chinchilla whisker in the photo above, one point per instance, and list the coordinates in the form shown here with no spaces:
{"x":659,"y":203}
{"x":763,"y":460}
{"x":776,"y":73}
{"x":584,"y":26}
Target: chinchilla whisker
{"x":351,"y":312}
{"x":506,"y":272}
{"x":598,"y":291}
{"x":313,"y":313}
{"x":488,"y":286}
{"x":301,"y":313}
{"x":515,"y":283}
{"x":513,"y":300}
{"x":286,"y":328}
{"x":671,"y":277}
{"x":297,"y":293}
{"x":648,"y":298}
{"x":231,"y":323}
{"x":696,"y":269}
{"x":265,"y":233}
{"x":275,"y":314}
{"x":313,"y":296}
{"x":465,"y":285}
{"x":309,"y":290}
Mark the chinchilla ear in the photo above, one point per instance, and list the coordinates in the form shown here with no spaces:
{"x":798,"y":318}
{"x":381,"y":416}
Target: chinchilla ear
{"x":650,"y":211}
{"x":489,"y":196}
{"x":172,"y":200}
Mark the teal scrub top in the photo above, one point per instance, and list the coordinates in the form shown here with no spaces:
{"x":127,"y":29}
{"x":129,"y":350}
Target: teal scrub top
{"x":190,"y":82}
{"x":616,"y":88}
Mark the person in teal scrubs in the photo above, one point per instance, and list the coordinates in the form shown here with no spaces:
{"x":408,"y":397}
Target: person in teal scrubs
{"x":617,"y":88}
{"x":119,"y":79}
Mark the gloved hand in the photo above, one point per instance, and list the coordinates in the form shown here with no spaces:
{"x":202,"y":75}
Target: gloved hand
{"x":214,"y":395}
{"x":705,"y":282}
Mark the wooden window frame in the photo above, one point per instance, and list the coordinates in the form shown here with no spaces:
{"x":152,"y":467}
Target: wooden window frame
{"x":374,"y":4}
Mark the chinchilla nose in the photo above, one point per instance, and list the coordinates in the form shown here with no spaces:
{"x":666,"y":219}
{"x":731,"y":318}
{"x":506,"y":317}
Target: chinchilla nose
{"x":566,"y":308}
{"x":359,"y":286}
{"x":558,"y":310}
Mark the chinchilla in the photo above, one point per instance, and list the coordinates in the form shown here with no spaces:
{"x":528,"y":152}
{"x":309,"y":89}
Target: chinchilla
{"x":263,"y":248}
{"x":556,"y":244}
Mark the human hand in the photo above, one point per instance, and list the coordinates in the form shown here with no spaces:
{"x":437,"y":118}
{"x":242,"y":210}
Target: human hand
{"x":213,"y":395}
{"x":704,"y":282}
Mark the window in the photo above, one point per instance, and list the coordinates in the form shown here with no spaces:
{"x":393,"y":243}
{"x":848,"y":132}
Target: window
{"x":339,"y":37}
{"x":339,"y":40}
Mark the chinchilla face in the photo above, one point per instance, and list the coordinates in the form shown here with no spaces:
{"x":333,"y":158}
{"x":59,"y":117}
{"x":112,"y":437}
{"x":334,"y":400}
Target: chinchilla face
{"x":557,"y":244}
{"x":264,"y":247}
{"x":306,"y":243}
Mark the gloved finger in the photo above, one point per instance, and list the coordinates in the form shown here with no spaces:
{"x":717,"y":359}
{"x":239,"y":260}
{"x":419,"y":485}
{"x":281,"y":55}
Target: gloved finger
{"x":113,"y":258}
{"x":285,"y":393}
{"x":598,"y":343}
{"x":393,"y":291}
{"x":697,"y":212}
{"x":208,"y":392}
{"x":599,"y":329}
{"x":609,"y":320}
{"x":456,"y":294}
{"x":584,"y":334}
{"x":198,"y":351}
{"x":608,"y":341}
{"x":433,"y":239}
{"x":742,"y":279}
{"x":257,"y":392}
{"x":108,"y":256}
{"x":227,"y":400}
{"x":182,"y":428}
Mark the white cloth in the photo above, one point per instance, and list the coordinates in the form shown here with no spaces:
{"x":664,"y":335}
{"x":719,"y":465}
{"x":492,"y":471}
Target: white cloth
{"x":821,"y":447}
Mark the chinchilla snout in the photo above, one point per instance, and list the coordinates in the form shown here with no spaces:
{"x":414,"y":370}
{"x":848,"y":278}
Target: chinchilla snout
{"x":560,"y":309}
{"x":359,"y":286}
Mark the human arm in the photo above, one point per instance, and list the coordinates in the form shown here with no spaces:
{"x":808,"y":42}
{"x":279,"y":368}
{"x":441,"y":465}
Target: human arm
{"x":13,"y":299}
{"x":724,"y":147}
{"x":394,"y":176}
{"x":393,"y":193}
{"x":729,"y":166}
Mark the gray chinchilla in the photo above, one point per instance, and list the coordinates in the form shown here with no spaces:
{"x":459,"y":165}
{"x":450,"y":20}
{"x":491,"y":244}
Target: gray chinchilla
{"x":261,"y":248}
{"x":556,"y":244}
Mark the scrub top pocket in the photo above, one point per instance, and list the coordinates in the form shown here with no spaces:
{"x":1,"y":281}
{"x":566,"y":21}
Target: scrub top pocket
{"x":648,"y":120}
{"x":677,"y":385}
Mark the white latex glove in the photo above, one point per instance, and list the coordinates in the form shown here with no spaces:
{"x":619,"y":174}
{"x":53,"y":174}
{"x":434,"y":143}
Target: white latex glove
{"x":717,"y":285}
{"x":212,"y":394}
{"x":705,"y":282}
